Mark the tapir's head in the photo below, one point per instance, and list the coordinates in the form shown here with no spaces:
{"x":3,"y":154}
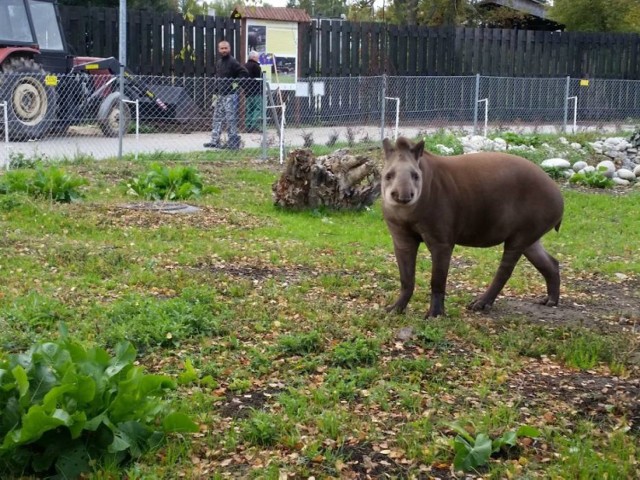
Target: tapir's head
{"x":401,"y":175}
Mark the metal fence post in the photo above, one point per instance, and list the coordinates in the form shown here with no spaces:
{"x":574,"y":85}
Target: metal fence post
{"x":383,"y":100}
{"x":122,"y":55}
{"x":566,"y":104}
{"x":475,"y":104}
{"x":264,"y":116}
{"x":5,"y":121}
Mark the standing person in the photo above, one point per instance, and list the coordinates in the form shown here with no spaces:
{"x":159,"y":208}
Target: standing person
{"x":228,"y":69}
{"x":253,"y":91}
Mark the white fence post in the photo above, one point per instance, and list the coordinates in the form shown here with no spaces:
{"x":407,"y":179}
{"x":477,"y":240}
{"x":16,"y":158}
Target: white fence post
{"x":486,"y":114}
{"x":395,"y":133}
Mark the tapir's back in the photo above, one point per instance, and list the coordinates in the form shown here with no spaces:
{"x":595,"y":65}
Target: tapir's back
{"x":493,"y":197}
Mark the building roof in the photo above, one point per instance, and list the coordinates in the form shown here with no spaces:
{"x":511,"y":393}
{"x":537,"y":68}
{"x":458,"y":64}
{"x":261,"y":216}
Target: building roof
{"x":531,"y":7}
{"x":271,"y":13}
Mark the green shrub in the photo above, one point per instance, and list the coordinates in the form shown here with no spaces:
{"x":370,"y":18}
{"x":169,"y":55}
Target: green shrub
{"x":594,"y":179}
{"x":147,"y":322}
{"x":356,"y":352}
{"x":50,"y":183}
{"x":516,"y":139}
{"x":300,"y":344}
{"x":166,"y":183}
{"x":443,"y":137}
{"x":63,"y":407}
{"x":554,"y":172}
{"x":262,"y":428}
{"x":471,"y":453}
{"x":18,"y":160}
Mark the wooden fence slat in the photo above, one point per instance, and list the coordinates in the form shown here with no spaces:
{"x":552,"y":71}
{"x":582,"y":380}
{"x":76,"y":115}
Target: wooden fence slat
{"x":198,"y":48}
{"x":355,"y":50}
{"x":211,"y":46}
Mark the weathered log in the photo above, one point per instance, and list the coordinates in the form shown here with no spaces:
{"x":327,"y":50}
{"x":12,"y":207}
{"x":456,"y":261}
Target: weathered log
{"x":338,"y":180}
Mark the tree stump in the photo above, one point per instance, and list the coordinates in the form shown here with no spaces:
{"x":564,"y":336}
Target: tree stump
{"x":338,"y":180}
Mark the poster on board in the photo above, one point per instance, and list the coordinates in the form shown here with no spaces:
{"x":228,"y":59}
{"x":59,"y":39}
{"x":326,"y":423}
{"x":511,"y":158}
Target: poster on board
{"x":277,"y":45}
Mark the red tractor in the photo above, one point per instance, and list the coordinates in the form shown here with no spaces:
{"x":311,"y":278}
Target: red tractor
{"x":46,"y":90}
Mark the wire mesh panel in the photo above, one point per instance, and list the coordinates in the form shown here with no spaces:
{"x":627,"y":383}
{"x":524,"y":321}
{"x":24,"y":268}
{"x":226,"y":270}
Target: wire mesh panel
{"x":606,"y":101}
{"x":78,"y":114}
{"x":524,"y":102}
{"x":432,"y":102}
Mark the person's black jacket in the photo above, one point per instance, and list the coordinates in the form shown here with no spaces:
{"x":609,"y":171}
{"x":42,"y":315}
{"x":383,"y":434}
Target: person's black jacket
{"x":253,"y":87}
{"x":228,"y":69}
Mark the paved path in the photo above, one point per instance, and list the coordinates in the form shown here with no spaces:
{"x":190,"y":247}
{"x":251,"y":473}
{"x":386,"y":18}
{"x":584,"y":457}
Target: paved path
{"x":100,"y":147}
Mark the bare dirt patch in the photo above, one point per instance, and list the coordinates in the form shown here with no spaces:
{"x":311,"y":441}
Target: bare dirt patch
{"x":257,"y":273}
{"x":241,"y":405}
{"x":593,"y":303}
{"x":545,"y":385}
{"x":208,"y":217}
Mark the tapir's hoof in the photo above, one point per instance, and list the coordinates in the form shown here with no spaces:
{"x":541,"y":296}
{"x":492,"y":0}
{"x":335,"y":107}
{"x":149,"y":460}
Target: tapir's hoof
{"x":549,"y":302}
{"x":479,"y":306}
{"x":395,"y":309}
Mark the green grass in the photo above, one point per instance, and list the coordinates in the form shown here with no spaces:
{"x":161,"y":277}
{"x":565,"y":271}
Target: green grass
{"x":282,"y":312}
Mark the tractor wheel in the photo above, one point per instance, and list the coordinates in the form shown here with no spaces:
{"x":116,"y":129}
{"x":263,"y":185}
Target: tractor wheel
{"x":31,"y":104}
{"x":109,"y":115}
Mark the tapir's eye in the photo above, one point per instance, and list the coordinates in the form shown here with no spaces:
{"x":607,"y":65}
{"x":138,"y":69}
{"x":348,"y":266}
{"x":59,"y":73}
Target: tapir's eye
{"x":388,"y":176}
{"x":414,"y":176}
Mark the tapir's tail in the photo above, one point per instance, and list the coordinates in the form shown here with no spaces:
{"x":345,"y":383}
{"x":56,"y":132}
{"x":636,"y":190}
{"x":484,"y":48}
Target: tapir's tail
{"x":557,"y":227}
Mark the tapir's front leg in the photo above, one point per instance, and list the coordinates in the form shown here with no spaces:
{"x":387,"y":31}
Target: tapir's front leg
{"x":440,"y":260}
{"x":406,"y":250}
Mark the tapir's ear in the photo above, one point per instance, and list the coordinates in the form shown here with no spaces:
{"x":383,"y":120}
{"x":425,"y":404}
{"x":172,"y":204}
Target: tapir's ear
{"x":418,"y":149}
{"x":388,"y":147}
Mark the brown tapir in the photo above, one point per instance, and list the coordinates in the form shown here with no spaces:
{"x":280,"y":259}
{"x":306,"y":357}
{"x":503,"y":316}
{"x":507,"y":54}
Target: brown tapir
{"x":475,"y":200}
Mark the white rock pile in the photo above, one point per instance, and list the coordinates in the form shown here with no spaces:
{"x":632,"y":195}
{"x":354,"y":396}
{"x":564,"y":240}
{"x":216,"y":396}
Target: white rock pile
{"x":622,"y":164}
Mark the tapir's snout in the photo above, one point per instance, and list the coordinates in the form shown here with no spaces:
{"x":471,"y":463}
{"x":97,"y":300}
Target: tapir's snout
{"x":403,"y":197}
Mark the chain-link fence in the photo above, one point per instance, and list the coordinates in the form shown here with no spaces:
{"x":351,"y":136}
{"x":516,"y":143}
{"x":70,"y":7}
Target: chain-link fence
{"x":80,"y":114}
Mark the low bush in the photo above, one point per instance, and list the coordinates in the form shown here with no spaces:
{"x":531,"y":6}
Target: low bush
{"x":62,"y":407}
{"x":594,"y":179}
{"x":50,"y":183}
{"x":166,"y":183}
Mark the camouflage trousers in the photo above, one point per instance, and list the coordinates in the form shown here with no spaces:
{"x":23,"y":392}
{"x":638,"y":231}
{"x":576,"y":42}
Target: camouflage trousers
{"x":225,"y":112}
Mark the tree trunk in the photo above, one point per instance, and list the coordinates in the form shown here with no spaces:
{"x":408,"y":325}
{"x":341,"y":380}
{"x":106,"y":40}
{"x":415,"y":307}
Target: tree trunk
{"x":338,"y":180}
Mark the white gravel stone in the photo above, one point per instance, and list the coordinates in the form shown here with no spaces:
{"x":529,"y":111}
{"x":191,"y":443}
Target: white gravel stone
{"x":555,"y":163}
{"x":579,"y":166}
{"x":607,"y":167}
{"x":621,"y":181}
{"x":625,"y":174}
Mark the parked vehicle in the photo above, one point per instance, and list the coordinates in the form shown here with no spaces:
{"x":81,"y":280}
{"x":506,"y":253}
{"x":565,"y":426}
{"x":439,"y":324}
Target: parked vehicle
{"x":46,"y":89}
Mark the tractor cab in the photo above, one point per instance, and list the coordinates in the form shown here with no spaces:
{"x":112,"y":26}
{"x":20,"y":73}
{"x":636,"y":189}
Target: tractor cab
{"x":32,"y":27}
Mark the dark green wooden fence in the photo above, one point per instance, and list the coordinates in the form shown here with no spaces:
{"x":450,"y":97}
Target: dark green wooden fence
{"x":167,"y":44}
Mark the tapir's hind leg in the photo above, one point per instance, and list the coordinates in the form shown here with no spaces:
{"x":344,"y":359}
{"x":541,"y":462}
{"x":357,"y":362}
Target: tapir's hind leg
{"x":549,"y":268}
{"x":509,"y":259}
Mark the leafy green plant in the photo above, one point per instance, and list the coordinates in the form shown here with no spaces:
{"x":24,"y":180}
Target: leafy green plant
{"x":64,"y":405}
{"x":51,"y":183}
{"x":18,"y":160}
{"x":166,"y":183}
{"x":554,"y":172}
{"x":146,"y":322}
{"x":595,"y":179}
{"x":356,"y":352}
{"x":301,"y":344}
{"x":513,"y":138}
{"x":262,"y":428}
{"x":471,"y":453}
